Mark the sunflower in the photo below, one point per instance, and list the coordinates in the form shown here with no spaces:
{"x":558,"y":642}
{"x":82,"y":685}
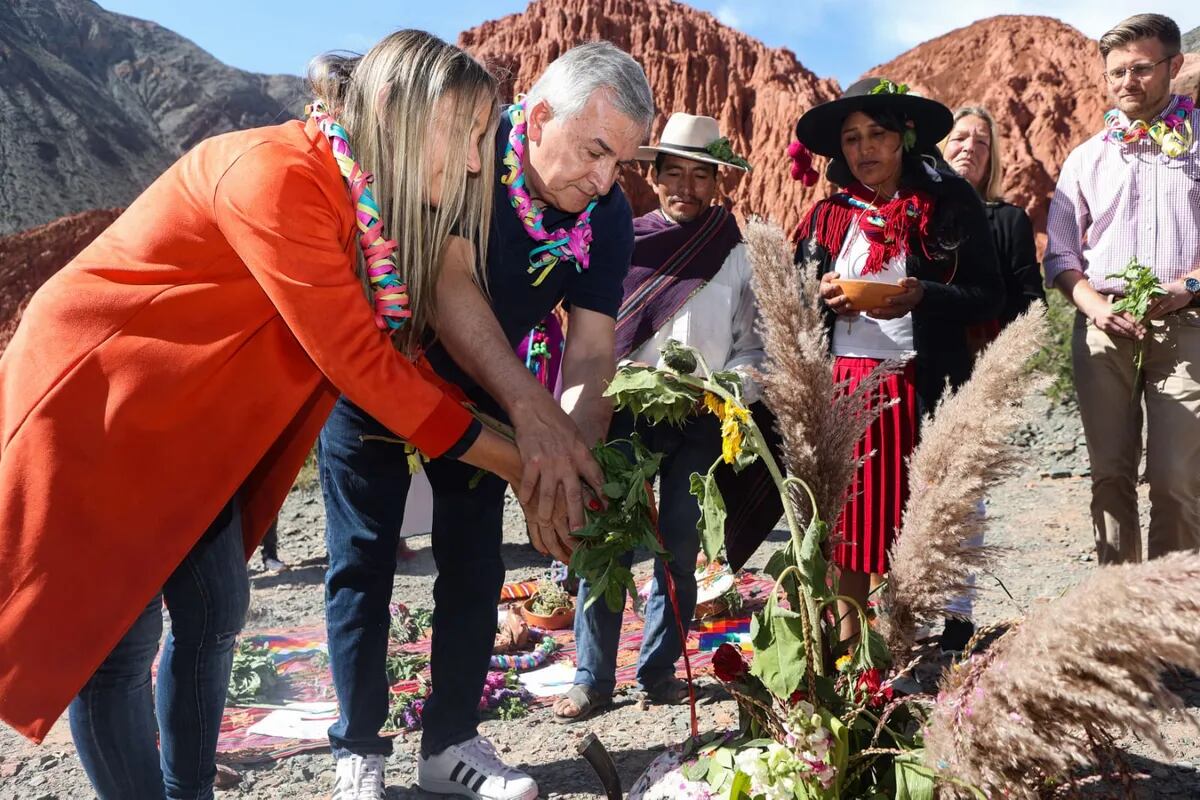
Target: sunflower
{"x":714,"y":404}
{"x":732,"y":420}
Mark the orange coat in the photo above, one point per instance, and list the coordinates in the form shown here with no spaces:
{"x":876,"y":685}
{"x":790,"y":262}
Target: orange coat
{"x":195,"y":348}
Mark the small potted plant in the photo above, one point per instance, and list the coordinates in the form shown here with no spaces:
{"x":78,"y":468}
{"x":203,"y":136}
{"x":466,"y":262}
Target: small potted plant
{"x":550,"y":608}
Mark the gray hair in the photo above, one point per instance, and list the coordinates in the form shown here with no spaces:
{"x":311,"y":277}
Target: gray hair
{"x":571,"y":79}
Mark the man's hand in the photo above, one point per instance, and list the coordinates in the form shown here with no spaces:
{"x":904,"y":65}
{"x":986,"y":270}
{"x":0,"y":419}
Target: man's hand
{"x":1097,"y":307}
{"x":1177,"y":297}
{"x":554,"y":457}
{"x":834,"y":297}
{"x":1099,"y":312}
{"x":900,"y":304}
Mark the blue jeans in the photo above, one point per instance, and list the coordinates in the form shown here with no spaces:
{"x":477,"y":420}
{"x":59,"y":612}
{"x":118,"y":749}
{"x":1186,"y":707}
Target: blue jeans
{"x":365,"y":483}
{"x":116,"y":716}
{"x":692,"y":448}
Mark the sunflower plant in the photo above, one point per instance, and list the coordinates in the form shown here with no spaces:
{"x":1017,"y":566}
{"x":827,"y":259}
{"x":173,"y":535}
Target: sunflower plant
{"x":819,"y":717}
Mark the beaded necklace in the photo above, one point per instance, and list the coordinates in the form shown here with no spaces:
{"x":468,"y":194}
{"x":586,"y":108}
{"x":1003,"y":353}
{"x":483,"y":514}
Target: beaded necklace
{"x":388,"y":290}
{"x":1172,"y":132}
{"x":560,"y":245}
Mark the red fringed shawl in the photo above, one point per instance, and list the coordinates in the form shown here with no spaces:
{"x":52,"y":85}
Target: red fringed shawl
{"x":887,"y":227}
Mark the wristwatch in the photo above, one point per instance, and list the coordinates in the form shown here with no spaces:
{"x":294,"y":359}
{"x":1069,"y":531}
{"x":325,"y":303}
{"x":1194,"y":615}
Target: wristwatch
{"x":1193,"y":286}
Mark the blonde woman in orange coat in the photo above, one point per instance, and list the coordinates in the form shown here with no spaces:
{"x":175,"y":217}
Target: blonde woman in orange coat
{"x":163,"y":390}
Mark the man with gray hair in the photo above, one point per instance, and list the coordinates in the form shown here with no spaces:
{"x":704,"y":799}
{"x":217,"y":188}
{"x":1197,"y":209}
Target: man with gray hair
{"x":1133,"y":192}
{"x":561,"y":232}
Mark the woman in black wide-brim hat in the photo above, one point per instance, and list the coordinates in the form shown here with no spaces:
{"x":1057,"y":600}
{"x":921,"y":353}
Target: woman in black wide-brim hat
{"x":903,"y":219}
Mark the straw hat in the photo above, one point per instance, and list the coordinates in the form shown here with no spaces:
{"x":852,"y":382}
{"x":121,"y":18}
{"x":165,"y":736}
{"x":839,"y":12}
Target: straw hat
{"x":695,"y":138}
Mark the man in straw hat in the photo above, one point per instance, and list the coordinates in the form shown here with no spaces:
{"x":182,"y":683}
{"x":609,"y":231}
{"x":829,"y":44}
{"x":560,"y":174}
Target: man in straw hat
{"x":689,"y":281}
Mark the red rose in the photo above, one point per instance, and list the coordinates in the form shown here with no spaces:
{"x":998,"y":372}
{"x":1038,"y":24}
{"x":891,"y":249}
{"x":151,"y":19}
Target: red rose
{"x":728,"y":663}
{"x":870,"y":683}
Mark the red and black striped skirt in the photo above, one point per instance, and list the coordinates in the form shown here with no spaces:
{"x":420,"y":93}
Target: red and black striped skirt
{"x":871,"y":517}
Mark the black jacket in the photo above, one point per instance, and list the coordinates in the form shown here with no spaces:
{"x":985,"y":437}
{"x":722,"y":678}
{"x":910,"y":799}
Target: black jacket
{"x":1012,"y":234}
{"x":962,"y":286}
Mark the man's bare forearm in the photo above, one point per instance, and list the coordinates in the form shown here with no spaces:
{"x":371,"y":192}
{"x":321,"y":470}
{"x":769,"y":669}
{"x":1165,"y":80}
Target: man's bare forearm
{"x":583,"y":397}
{"x":468,"y":329}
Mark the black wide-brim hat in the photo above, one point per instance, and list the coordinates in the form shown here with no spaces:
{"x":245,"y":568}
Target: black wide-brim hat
{"x":820,"y":129}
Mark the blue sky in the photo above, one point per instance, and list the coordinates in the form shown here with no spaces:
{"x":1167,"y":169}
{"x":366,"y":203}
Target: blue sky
{"x":281,"y":35}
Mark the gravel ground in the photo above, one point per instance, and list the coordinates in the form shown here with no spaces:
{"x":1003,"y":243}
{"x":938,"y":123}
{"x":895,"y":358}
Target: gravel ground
{"x":1038,"y":516}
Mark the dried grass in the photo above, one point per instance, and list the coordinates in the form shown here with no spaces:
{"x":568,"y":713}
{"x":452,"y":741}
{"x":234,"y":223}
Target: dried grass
{"x":963,"y":449}
{"x":819,"y":420}
{"x":1073,"y":675}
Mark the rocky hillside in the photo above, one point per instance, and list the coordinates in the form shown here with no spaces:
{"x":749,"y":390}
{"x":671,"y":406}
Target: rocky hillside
{"x":27,"y":259}
{"x":1039,"y":78}
{"x":94,"y":105}
{"x":1191,"y":41}
{"x":694,"y":64}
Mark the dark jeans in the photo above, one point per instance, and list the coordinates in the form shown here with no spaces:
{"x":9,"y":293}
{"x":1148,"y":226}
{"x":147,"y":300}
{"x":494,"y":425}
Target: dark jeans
{"x":365,"y":484}
{"x":692,"y":448}
{"x":113,"y":719}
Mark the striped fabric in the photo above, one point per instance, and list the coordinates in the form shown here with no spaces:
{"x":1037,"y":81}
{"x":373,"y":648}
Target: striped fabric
{"x":1115,"y":202}
{"x":871,"y":517}
{"x":468,"y":776}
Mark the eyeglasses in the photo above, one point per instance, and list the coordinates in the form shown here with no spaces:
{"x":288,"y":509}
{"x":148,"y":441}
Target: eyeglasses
{"x":1139,"y":71}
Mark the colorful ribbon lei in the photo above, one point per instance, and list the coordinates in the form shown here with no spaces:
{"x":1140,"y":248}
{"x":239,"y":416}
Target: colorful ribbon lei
{"x":1172,"y":132}
{"x":388,"y":290}
{"x":560,"y":245}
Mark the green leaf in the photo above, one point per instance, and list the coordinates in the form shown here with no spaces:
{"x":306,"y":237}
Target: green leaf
{"x":873,"y":652}
{"x":740,"y":787}
{"x":780,"y":560}
{"x":841,"y":747}
{"x":711,"y":524}
{"x":914,"y":781}
{"x":730,"y":381}
{"x":697,"y":770}
{"x":812,"y":564}
{"x":779,"y":654}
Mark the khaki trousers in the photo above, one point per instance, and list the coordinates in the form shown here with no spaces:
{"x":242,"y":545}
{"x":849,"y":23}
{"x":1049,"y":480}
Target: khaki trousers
{"x":1111,"y":400}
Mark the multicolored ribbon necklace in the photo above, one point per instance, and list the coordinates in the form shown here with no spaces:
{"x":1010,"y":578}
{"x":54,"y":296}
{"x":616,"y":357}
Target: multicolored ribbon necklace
{"x":388,"y":290}
{"x":1172,"y":132}
{"x":560,"y":245}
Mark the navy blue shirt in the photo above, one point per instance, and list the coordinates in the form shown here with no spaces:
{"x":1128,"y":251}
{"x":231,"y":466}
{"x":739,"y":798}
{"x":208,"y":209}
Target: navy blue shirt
{"x":516,"y":302}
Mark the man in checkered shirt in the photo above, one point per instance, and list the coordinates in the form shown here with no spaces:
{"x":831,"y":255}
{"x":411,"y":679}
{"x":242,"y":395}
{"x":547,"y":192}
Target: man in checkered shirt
{"x":1134,"y":191}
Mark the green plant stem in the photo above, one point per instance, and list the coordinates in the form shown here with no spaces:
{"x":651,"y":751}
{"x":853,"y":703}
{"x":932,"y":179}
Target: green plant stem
{"x":782,"y":484}
{"x":880,"y":723}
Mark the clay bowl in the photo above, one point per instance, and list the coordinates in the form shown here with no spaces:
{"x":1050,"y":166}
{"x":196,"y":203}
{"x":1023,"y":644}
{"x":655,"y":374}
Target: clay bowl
{"x":865,"y":295}
{"x":559,"y":620}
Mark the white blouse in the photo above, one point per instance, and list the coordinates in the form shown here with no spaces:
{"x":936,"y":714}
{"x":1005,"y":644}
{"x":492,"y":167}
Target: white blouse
{"x":718,"y":321}
{"x":863,"y":336}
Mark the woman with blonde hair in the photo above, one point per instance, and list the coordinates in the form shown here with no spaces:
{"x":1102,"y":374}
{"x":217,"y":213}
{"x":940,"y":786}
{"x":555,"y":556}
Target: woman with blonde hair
{"x":164,"y":388}
{"x":972,"y":149}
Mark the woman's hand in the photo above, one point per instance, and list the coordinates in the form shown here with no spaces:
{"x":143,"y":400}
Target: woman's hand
{"x":834,"y":297}
{"x":500,"y":456}
{"x":900,"y":304}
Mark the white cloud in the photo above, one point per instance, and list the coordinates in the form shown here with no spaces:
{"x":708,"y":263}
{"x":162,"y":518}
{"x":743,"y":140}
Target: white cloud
{"x":728,"y":16}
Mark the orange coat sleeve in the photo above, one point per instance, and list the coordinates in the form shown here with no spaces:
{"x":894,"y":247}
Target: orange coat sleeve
{"x":275,"y":207}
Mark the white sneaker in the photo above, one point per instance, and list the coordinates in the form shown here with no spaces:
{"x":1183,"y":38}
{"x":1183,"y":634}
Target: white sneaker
{"x":472,"y":769}
{"x":359,"y":778}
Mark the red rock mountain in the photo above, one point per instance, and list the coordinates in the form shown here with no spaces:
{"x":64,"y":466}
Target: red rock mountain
{"x":694,"y":64}
{"x":1040,"y":79}
{"x":29,"y":258}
